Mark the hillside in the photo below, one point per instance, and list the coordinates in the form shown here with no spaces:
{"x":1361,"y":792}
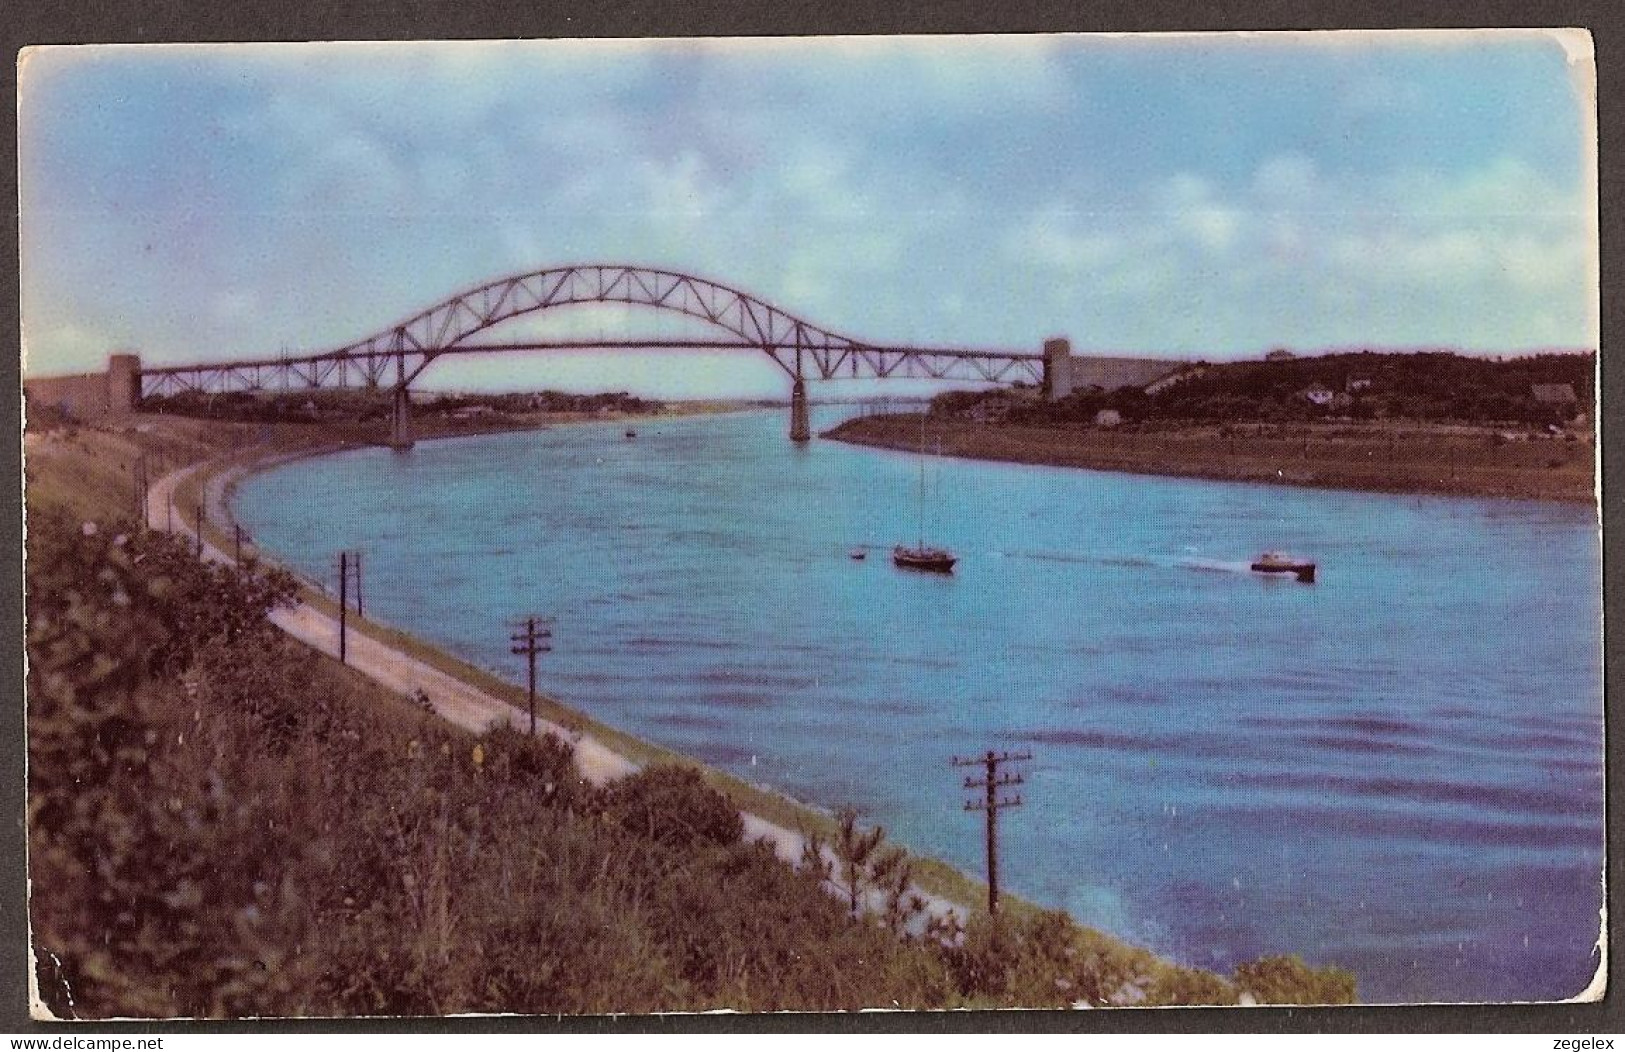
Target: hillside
{"x":1430,"y":387}
{"x":1396,"y":423}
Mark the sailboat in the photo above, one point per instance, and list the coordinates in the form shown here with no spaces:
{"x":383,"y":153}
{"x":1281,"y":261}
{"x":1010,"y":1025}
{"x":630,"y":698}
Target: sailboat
{"x":923,"y":556}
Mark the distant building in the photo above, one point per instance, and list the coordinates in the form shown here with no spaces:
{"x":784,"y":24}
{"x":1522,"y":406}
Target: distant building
{"x":1108,"y":418}
{"x":1554,"y":394}
{"x":1280,"y":354}
{"x":1319,"y":394}
{"x":1354,"y":385}
{"x":1115,"y":374}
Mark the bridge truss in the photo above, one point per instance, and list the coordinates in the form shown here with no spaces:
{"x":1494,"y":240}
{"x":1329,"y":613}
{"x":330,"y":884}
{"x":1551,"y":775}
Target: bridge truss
{"x":397,"y":356}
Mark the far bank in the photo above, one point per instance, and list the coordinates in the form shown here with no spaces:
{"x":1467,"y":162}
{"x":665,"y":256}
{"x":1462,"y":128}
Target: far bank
{"x":1385,"y":457}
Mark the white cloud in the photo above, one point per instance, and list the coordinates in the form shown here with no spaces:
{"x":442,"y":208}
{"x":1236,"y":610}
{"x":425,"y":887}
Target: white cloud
{"x":65,"y":348}
{"x":1286,"y":179}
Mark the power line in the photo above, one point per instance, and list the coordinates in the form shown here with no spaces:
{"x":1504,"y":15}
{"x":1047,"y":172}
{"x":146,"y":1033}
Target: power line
{"x":349,"y":562}
{"x":991,"y":804}
{"x":534,"y":637}
{"x":344,"y":582}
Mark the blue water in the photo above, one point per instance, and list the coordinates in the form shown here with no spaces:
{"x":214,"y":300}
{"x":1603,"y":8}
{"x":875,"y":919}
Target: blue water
{"x":1398,"y":769}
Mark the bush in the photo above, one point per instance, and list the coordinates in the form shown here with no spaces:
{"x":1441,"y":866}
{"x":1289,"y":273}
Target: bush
{"x":157,"y":887}
{"x":1287,"y":980}
{"x":672,"y":805}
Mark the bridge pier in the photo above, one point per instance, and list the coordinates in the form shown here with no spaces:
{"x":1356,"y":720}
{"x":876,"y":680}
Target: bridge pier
{"x":400,"y":420}
{"x":1057,"y":368}
{"x":799,"y":430}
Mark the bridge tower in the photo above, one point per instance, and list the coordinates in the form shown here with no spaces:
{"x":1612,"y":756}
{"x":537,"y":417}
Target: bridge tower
{"x":1057,"y":368}
{"x":123,"y":383}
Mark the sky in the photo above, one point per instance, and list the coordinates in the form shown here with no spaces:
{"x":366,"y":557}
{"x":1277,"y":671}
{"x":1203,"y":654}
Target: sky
{"x":1199,"y":197}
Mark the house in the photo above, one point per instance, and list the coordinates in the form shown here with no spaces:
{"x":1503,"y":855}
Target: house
{"x":1280,"y":354}
{"x":1319,"y":394}
{"x":1357,"y":384}
{"x":1108,"y":418}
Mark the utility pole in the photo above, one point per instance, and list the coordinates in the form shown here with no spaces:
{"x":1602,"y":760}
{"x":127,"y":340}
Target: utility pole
{"x":140,"y":479}
{"x":992,"y":781}
{"x":237,"y":541}
{"x":360,"y":610}
{"x":197,"y":526}
{"x":344,"y":602}
{"x":533,"y":638}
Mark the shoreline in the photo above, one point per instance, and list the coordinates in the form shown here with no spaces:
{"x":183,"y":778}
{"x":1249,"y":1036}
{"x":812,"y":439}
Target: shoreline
{"x":1450,"y":462}
{"x":481,"y":699}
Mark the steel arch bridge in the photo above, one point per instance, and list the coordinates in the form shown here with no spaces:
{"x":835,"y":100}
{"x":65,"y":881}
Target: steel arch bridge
{"x":398,"y":355}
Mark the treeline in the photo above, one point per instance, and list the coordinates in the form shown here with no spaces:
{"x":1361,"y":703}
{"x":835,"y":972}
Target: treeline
{"x":349,"y":406}
{"x":222,"y":825}
{"x":543,"y":401}
{"x":1430,"y":386}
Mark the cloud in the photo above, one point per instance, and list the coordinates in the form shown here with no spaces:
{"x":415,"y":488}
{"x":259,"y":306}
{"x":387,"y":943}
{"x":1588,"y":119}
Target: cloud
{"x":983,"y":191}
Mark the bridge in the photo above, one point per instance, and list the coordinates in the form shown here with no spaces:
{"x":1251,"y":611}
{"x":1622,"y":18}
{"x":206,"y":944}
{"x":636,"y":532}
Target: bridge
{"x":395,"y":357}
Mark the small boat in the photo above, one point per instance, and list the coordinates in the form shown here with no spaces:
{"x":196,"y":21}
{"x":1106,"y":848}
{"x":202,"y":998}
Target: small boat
{"x":934,"y":560}
{"x":1276,"y":562}
{"x":631,"y":434}
{"x":859,"y":554}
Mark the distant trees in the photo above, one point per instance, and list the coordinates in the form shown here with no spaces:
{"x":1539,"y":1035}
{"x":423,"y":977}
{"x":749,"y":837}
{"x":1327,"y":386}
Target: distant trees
{"x":1426,"y":386}
{"x":360,"y":406}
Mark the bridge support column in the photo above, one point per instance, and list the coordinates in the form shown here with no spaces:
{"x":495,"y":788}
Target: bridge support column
{"x":799,"y":431}
{"x":400,"y":420}
{"x":1057,"y":368}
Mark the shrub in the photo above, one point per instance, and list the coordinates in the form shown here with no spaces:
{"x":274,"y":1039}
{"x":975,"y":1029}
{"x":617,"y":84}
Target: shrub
{"x":1287,"y":980}
{"x":672,"y":805}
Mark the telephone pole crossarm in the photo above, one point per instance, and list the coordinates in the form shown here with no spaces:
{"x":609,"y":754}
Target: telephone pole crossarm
{"x":533,"y":636}
{"x":991,"y":804}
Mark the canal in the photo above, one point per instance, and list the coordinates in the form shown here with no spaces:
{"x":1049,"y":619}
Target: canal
{"x":1398,"y":769}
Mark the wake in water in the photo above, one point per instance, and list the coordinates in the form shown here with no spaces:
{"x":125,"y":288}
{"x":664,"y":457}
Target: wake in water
{"x":1160,"y":562}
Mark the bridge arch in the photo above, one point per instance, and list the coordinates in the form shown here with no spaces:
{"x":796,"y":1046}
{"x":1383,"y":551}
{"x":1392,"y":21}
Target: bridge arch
{"x":420,"y":339}
{"x":751,"y":320}
{"x":803,"y":350}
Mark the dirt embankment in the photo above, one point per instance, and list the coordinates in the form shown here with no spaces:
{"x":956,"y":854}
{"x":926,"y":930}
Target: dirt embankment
{"x":1385,"y":457}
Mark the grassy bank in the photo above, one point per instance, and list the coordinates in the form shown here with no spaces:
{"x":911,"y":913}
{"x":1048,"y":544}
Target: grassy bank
{"x":1387,"y":457}
{"x":224,"y":822}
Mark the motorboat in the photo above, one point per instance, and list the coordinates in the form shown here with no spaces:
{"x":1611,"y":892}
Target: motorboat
{"x":859,"y":554}
{"x":1280,"y":563}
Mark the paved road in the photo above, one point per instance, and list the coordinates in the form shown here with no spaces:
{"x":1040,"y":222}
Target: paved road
{"x":452,"y":699}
